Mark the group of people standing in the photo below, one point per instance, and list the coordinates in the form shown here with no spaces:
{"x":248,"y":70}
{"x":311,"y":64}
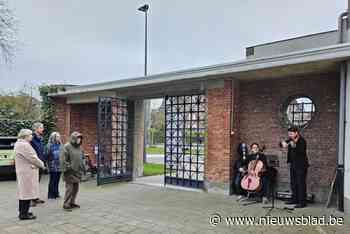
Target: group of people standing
{"x":33,"y":158}
{"x":296,"y":159}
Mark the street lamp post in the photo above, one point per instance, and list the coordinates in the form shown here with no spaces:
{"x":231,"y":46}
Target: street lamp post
{"x":147,"y":103}
{"x":144,"y":9}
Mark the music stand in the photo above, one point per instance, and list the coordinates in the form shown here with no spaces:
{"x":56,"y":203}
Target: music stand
{"x":273,"y":162}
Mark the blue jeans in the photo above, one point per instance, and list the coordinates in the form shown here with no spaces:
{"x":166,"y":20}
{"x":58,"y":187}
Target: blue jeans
{"x":54,"y":184}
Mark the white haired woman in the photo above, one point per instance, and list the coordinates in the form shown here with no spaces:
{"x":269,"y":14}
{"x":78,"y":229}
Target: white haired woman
{"x":53,"y":148}
{"x":27,"y":171}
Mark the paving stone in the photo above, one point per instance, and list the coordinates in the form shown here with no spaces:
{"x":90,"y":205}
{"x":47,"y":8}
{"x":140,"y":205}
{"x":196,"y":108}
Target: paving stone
{"x":135,"y":208}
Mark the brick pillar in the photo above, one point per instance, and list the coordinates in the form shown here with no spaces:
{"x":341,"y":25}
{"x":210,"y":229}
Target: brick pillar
{"x":219,"y":160}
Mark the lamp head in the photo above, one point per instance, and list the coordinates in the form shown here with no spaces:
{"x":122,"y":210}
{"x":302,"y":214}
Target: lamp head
{"x":144,"y":8}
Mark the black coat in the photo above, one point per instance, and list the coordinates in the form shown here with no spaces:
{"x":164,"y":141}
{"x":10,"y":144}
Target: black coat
{"x":241,"y":163}
{"x":38,"y":145}
{"x":297,"y":156}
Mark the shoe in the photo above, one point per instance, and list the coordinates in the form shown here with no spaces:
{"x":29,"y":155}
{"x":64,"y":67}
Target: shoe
{"x":26,"y":217}
{"x":290,"y":203}
{"x":265,"y":200}
{"x":299,"y":206}
{"x":258,"y":199}
{"x":74,"y":206}
{"x":67,"y":208}
{"x":33,"y":203}
{"x":40,"y":201}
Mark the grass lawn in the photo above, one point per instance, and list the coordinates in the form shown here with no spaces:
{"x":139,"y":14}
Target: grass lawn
{"x":150,"y":169}
{"x":154,"y":150}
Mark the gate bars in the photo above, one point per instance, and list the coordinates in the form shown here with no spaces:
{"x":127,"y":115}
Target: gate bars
{"x":114,"y":159}
{"x":185,"y":128}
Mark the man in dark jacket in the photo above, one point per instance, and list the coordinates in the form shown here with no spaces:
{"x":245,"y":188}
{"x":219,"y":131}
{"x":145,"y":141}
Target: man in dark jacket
{"x":38,"y":145}
{"x":72,"y":167}
{"x":38,"y":141}
{"x":298,"y":162}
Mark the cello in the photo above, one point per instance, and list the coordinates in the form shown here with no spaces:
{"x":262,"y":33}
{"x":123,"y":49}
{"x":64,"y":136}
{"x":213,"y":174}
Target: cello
{"x":252,"y":181}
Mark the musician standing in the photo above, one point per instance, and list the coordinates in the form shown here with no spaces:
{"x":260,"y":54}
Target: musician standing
{"x":298,"y":163}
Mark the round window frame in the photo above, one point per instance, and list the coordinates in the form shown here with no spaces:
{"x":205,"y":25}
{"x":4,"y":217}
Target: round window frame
{"x":286,"y":123}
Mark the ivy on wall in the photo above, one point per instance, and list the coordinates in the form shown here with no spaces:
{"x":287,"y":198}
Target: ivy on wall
{"x":48,"y":108}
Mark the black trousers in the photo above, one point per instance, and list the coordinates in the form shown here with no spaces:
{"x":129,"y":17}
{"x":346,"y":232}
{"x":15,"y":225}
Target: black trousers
{"x":54,"y":184}
{"x":298,"y":184}
{"x":23,"y":207}
{"x":265,"y":190}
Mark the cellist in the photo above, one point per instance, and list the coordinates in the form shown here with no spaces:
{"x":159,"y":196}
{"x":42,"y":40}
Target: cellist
{"x":257,"y":154}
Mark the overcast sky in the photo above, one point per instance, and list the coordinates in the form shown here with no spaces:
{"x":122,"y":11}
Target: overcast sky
{"x":88,"y":41}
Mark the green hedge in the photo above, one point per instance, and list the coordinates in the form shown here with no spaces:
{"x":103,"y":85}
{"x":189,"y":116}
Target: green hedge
{"x":9,"y":127}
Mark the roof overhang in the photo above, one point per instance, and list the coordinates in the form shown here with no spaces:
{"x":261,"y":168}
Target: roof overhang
{"x":320,"y":60}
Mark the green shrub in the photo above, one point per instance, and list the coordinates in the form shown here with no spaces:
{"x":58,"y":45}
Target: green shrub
{"x":9,"y":127}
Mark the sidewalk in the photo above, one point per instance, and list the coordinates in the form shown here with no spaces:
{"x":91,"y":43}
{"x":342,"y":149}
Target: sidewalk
{"x":137,"y":208}
{"x":155,"y":158}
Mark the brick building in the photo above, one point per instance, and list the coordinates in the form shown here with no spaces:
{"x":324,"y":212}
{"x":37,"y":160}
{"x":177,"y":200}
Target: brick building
{"x":246,"y":101}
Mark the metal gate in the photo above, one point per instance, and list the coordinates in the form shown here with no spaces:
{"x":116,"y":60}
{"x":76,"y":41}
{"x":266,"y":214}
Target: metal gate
{"x":185,"y":127}
{"x":114,"y":158}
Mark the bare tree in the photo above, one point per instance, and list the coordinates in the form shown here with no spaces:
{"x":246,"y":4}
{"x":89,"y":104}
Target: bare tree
{"x":8,"y":32}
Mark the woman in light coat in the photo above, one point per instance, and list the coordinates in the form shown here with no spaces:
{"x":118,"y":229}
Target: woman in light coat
{"x":27,"y":171}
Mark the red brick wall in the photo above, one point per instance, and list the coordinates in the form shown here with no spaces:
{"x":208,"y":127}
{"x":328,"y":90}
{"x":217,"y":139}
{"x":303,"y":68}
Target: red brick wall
{"x":235,"y":123}
{"x":84,"y":120}
{"x":77,"y":117}
{"x":219,"y":160}
{"x":260,"y":104}
{"x":62,"y":110}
